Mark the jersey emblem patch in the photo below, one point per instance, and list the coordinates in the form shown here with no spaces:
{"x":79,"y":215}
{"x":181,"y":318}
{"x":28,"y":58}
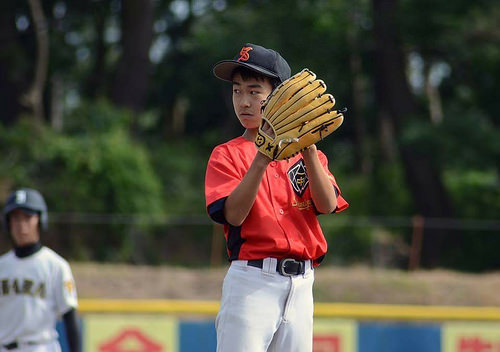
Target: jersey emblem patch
{"x":69,"y":286}
{"x":298,"y":177}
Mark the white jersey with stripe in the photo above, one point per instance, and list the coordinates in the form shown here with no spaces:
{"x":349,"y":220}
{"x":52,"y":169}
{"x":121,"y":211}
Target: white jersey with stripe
{"x":35,"y":291}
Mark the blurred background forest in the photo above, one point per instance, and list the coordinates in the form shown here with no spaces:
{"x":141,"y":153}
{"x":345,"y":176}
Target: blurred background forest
{"x":110,"y":109}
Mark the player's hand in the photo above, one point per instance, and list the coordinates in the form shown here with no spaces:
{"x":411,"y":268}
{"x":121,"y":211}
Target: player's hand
{"x":309,"y":151}
{"x":267,"y":129}
{"x":262,"y":159}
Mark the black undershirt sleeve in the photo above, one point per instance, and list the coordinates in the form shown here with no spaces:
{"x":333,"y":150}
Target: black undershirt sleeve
{"x":216,"y":211}
{"x":72,"y":330}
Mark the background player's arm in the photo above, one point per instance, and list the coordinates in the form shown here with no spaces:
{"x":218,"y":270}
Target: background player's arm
{"x":240,"y":201}
{"x":72,"y":330}
{"x":322,"y":192}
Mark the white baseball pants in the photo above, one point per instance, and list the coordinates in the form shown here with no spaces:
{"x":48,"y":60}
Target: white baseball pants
{"x":263,"y":311}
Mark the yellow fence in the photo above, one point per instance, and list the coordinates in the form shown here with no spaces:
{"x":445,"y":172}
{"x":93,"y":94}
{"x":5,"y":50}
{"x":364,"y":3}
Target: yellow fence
{"x":331,"y":310}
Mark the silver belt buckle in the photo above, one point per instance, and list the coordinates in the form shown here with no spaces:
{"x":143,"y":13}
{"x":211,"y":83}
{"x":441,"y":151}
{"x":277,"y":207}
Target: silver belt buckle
{"x":282,"y":265}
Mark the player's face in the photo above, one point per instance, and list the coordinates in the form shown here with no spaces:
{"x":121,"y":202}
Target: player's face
{"x":23,"y":227}
{"x":247,"y":99}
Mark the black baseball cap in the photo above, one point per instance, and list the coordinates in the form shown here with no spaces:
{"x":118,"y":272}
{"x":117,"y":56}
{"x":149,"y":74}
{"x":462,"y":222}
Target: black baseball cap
{"x":256,"y":58}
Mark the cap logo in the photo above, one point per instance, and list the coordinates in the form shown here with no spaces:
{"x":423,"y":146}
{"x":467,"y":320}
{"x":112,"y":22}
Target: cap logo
{"x":245,"y":53}
{"x":20,"y":197}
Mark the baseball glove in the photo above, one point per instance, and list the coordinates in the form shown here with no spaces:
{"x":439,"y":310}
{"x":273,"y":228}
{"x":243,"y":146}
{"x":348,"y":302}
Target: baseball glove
{"x":297,"y":114}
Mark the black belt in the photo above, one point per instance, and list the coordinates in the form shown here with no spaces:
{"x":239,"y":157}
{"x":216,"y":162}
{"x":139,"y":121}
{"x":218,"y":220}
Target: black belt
{"x":11,"y":346}
{"x":286,"y":266}
{"x":15,"y":345}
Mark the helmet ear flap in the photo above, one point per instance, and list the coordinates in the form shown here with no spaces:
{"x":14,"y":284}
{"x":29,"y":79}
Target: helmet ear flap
{"x":5,"y":223}
{"x":44,"y":221}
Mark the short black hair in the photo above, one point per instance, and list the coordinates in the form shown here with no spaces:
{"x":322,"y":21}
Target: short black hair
{"x":247,"y":73}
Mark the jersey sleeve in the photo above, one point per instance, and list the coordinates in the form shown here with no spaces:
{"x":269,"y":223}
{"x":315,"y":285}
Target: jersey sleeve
{"x":65,"y":295}
{"x":221,"y":176}
{"x":341,"y":202}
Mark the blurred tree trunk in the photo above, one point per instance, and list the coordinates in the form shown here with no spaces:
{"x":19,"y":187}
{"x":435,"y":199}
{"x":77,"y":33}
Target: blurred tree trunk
{"x":433,"y":97}
{"x":96,"y":79}
{"x":10,"y":86}
{"x":174,"y":117}
{"x":397,"y":103}
{"x":33,"y":99}
{"x":131,"y":80}
{"x":362,"y":149}
{"x":56,"y":103}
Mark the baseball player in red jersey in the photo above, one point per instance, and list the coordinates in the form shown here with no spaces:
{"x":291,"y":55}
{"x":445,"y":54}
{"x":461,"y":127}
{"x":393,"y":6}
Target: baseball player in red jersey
{"x":37,"y":286}
{"x":269,"y":211}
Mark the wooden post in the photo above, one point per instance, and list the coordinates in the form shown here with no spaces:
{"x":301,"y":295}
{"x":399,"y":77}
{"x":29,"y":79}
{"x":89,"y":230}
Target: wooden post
{"x":416,"y":242}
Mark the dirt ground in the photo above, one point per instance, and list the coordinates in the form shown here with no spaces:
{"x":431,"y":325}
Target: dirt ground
{"x":332,"y":284}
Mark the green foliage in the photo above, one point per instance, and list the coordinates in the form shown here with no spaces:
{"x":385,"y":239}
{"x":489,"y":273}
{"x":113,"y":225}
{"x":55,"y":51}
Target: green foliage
{"x":181,"y":167}
{"x":347,"y":244}
{"x":111,"y":160}
{"x":96,"y":171}
{"x":389,"y":193}
{"x":99,"y":170}
{"x":477,"y":193}
{"x":423,"y":138}
{"x":469,"y":141}
{"x":97,"y":117}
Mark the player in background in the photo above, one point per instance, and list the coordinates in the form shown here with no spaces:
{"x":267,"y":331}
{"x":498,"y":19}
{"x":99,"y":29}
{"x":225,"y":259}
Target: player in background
{"x":36,"y":284}
{"x":269,"y":211}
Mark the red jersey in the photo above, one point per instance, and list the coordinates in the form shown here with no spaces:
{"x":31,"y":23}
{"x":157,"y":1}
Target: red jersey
{"x":282,"y":222}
